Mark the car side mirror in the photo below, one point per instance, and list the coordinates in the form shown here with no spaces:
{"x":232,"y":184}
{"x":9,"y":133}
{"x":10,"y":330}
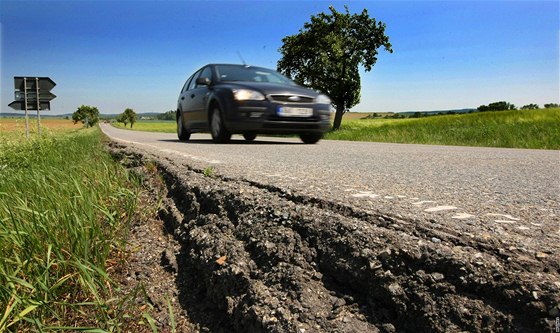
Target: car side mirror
{"x":203,"y":81}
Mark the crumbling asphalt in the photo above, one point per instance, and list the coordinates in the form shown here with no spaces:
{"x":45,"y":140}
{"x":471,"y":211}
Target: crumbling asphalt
{"x":252,"y":257}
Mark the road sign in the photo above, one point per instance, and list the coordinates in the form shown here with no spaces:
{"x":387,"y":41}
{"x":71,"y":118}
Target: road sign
{"x":44,"y":96}
{"x":31,"y":105}
{"x":27,"y":90}
{"x":32,"y":93}
{"x":21,"y":82}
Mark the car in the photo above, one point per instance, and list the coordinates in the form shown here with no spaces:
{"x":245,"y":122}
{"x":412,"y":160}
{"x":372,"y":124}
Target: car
{"x":226,"y":99}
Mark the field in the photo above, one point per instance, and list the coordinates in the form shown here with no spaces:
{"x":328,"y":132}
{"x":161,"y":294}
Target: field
{"x":165,"y":126}
{"x":17,"y":125}
{"x":64,"y":210}
{"x":536,"y":129}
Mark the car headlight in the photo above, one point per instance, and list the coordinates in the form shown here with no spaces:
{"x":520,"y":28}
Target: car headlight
{"x":322,"y":99}
{"x":247,"y":94}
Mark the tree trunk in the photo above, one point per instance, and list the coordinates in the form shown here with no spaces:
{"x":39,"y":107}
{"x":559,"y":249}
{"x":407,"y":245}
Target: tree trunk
{"x":338,"y":117}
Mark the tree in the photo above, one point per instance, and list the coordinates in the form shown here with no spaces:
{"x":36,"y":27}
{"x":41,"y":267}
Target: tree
{"x":326,"y":53}
{"x":530,"y":107}
{"x":128,"y":116}
{"x":122,"y":119}
{"x":88,"y":115}
{"x":497,"y":106}
{"x":551,"y":105}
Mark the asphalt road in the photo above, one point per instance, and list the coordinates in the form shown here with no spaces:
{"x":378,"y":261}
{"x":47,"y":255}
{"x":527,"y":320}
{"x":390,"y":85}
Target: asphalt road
{"x":489,"y":190}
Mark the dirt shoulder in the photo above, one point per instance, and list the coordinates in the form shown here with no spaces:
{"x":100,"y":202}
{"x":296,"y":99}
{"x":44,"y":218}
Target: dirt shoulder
{"x":237,"y":256}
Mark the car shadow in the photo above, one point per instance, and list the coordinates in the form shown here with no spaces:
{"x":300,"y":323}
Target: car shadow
{"x":235,"y":142}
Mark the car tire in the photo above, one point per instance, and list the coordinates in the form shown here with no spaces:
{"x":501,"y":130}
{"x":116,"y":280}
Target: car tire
{"x":310,"y":138}
{"x":250,"y":136}
{"x":217,"y":127}
{"x":182,"y":132}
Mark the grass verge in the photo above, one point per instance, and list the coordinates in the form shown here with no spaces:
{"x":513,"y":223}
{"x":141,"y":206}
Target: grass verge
{"x":64,"y":210}
{"x":536,"y":129}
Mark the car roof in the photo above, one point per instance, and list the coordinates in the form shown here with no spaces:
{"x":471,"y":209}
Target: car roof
{"x":237,"y":65}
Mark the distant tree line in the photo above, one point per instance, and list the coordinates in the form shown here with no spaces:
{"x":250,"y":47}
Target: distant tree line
{"x":497,"y":106}
{"x":169,"y":115}
{"x":502,"y":106}
{"x":530,"y":107}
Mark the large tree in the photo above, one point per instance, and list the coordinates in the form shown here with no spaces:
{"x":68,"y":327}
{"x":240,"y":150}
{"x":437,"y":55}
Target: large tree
{"x":88,"y":115}
{"x":326,"y":53}
{"x":128,"y":116}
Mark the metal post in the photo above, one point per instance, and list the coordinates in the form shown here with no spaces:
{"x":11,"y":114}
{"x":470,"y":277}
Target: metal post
{"x":25,"y":102}
{"x":38,"y":105}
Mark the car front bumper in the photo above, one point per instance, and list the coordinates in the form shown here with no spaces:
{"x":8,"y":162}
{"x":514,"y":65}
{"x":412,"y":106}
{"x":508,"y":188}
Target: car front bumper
{"x":264,"y":117}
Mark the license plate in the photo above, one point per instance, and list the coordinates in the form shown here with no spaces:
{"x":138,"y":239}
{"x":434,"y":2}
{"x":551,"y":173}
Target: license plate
{"x":286,"y":111}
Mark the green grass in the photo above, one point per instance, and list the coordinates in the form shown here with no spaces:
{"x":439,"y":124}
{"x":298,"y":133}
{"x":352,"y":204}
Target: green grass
{"x":64,"y":208}
{"x":537,"y":129}
{"x":164,"y":126}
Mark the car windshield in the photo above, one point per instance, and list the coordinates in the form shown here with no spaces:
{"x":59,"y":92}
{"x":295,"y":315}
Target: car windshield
{"x":250,"y":74}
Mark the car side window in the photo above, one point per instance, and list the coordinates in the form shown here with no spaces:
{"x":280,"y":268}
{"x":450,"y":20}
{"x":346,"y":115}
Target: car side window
{"x":192,"y":84}
{"x":207,"y":73}
{"x":186,"y":85}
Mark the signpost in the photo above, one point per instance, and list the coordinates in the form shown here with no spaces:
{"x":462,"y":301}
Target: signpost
{"x":32,"y":93}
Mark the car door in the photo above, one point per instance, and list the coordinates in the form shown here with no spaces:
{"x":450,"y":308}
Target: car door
{"x":198,"y":97}
{"x":186,"y":103}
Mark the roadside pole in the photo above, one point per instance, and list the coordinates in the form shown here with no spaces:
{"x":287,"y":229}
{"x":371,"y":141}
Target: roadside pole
{"x":38,"y":106}
{"x":25,"y":102}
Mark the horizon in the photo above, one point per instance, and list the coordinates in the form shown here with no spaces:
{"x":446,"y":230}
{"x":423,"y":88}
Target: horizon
{"x":33,"y":113}
{"x":447,"y":55}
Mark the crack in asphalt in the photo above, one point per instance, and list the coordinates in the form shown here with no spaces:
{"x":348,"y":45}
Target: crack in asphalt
{"x":259,"y":258}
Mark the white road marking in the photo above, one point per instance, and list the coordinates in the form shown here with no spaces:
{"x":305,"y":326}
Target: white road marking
{"x":365,"y":194}
{"x":171,"y":151}
{"x":504,"y":221}
{"x":439,"y":209}
{"x":509,"y":217}
{"x":192,"y":157}
{"x":423,"y":202}
{"x":462,"y":216}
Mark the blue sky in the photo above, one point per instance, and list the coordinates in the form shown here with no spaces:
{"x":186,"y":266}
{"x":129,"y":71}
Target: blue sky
{"x":137,"y":54}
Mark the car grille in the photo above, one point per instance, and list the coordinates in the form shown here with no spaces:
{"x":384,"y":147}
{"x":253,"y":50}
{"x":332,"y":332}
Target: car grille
{"x":291,"y":99}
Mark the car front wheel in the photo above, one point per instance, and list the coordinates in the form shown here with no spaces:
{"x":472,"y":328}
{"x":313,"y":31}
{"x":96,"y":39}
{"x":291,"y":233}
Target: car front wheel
{"x":250,"y":136}
{"x":182,"y":133}
{"x":219,"y":132}
{"x":310,"y":138}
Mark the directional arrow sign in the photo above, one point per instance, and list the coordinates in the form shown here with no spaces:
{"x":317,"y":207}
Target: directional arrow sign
{"x":33,"y":90}
{"x":20,"y":105}
{"x":45,"y":83}
{"x":44,"y":96}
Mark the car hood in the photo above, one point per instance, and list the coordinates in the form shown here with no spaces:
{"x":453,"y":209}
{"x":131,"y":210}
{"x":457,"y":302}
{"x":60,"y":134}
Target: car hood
{"x":272,"y":88}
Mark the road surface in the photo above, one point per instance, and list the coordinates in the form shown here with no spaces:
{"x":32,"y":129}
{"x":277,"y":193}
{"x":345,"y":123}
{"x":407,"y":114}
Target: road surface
{"x":517,"y":189}
{"x":448,"y":238}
